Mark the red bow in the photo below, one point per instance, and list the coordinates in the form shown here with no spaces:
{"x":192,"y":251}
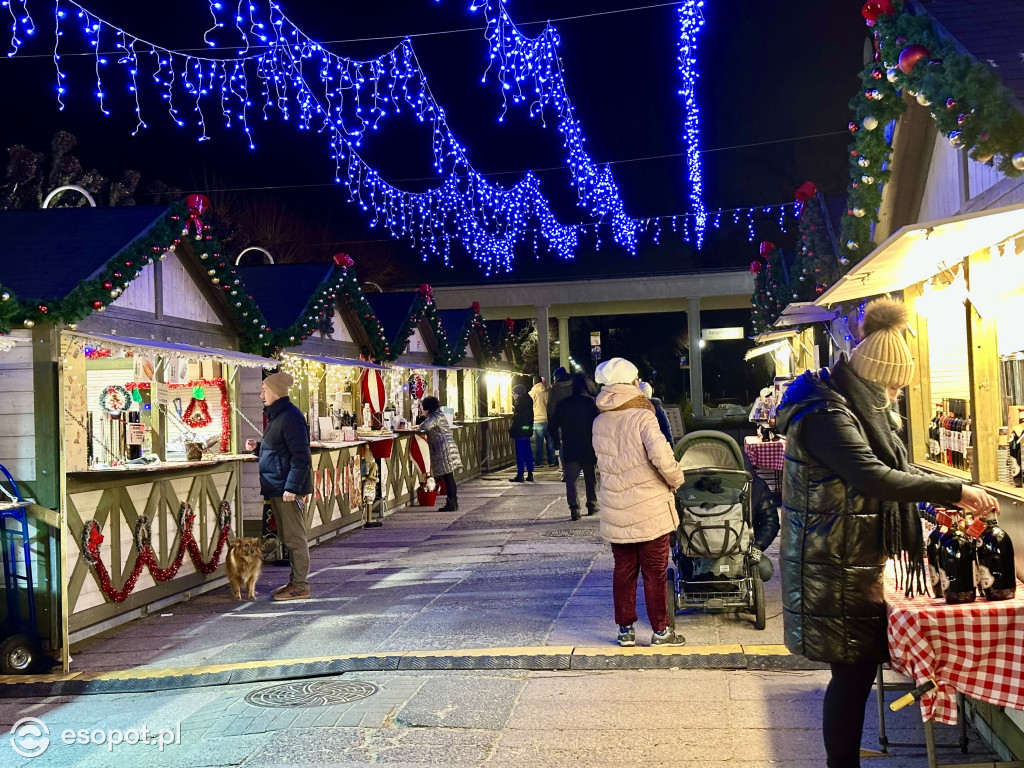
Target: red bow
{"x":197,"y":205}
{"x":476,"y":306}
{"x":343,"y":260}
{"x":426,"y":291}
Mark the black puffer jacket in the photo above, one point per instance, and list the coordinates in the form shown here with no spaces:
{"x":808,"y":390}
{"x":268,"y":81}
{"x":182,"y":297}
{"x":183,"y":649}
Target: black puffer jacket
{"x":522,"y":418}
{"x":285,"y":460}
{"x":573,"y":423}
{"x":833,"y":491}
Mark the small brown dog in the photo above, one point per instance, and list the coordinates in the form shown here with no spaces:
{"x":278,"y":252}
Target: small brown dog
{"x":244,"y":563}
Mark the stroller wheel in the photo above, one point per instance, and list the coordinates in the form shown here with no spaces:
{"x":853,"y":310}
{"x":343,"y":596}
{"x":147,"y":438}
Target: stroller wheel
{"x":670,"y":597}
{"x":760,"y":621}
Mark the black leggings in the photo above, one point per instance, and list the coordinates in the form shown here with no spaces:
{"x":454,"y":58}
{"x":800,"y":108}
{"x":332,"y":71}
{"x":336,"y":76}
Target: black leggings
{"x":842,"y":717}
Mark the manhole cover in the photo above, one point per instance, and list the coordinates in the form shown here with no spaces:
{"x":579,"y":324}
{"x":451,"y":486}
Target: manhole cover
{"x":566,"y":533}
{"x":311,"y":693}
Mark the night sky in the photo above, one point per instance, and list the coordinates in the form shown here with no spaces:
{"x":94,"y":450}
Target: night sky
{"x":770,"y":72}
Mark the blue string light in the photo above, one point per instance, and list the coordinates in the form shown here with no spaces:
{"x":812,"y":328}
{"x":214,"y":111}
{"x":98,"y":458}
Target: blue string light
{"x":20,"y":20}
{"x":690,"y":22}
{"x":347,"y":100}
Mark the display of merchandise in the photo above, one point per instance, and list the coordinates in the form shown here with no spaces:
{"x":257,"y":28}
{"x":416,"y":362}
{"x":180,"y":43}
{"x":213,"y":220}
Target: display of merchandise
{"x":942,"y":522}
{"x":997,"y":577}
{"x":949,"y":435}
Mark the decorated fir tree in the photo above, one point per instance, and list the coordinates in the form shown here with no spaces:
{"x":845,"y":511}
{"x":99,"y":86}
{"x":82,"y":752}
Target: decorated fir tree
{"x":816,"y":266}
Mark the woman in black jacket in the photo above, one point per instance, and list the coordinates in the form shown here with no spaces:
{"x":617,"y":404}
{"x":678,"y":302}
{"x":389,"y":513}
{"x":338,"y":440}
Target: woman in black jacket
{"x":572,"y":427}
{"x":849,"y":494}
{"x":521,"y":431}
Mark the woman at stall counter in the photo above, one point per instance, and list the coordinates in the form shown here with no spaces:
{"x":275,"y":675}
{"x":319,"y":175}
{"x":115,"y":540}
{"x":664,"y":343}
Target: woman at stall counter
{"x":444,"y":453}
{"x":849,"y":495}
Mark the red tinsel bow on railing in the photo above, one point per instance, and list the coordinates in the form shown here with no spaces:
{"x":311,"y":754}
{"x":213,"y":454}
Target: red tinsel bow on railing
{"x":197,"y":205}
{"x":805,"y":193}
{"x":426,"y":291}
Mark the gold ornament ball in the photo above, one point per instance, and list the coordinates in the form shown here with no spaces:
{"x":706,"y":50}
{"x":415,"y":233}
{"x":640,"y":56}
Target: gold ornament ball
{"x":29,"y":323}
{"x":1018,"y":161}
{"x":923,"y":100}
{"x":859,"y":212}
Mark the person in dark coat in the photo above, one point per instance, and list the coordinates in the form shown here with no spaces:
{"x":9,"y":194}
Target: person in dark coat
{"x":560,"y":390}
{"x":849,"y":495}
{"x":659,"y":411}
{"x":573,"y":423}
{"x":765,"y":506}
{"x":444,"y":453}
{"x":285,"y":477}
{"x":521,"y":432}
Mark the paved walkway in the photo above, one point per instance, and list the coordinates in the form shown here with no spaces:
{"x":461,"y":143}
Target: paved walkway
{"x":403,"y":607}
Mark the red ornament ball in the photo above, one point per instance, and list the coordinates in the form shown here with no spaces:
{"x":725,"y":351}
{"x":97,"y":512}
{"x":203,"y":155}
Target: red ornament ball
{"x":876,"y":74}
{"x":107,"y":285}
{"x":819,"y":289}
{"x":909,"y":57}
{"x":97,"y":304}
{"x":767,"y":246}
{"x":853,"y":127}
{"x":43,"y":308}
{"x":755,"y":267}
{"x":198,"y":204}
{"x":872,"y":9}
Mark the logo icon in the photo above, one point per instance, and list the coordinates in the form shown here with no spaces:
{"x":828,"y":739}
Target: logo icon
{"x":30,"y":737}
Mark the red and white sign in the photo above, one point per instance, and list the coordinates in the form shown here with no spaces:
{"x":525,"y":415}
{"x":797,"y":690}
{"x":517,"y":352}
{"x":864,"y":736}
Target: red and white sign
{"x":372,"y":384}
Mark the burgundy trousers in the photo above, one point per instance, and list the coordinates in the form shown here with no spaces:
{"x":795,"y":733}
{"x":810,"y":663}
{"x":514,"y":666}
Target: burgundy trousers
{"x":649,"y":558}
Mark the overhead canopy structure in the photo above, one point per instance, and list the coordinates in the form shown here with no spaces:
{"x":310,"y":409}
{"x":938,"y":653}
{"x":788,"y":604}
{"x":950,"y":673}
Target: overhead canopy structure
{"x":804,"y":313}
{"x":772,"y":341}
{"x":918,"y":252}
{"x":158,"y":347}
{"x":326,"y":360}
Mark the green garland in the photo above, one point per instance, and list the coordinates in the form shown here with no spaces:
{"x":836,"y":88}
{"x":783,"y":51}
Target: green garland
{"x":422,"y":305}
{"x":971,"y":107}
{"x":96,"y":294}
{"x":456,"y":351}
{"x":9,"y":308}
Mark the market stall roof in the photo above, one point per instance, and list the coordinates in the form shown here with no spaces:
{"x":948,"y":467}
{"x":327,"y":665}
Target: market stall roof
{"x":338,"y":361}
{"x":919,"y":251}
{"x":769,"y":342}
{"x":804,"y":313}
{"x":282,"y":291}
{"x":455,"y":321}
{"x":157,"y":347}
{"x":45,"y":253}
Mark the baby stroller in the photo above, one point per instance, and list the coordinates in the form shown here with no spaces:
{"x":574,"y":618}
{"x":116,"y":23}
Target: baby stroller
{"x":711,"y":549}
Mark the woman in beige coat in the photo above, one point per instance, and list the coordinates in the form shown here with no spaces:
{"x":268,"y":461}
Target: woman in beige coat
{"x":638,"y":510}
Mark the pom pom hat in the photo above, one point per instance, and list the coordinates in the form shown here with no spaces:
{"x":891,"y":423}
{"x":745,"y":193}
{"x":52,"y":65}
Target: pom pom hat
{"x":883,"y":357}
{"x":616,"y":371}
{"x":279,"y":383}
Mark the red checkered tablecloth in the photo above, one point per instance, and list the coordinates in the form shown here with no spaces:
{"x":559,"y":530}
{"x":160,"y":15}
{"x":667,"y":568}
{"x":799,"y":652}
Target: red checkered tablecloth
{"x":766,"y":455}
{"x":975,"y":648}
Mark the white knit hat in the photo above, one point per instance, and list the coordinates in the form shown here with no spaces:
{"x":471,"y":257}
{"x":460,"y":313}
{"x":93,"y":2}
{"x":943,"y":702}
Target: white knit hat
{"x":647,"y":389}
{"x":616,"y":371}
{"x":883,"y":357}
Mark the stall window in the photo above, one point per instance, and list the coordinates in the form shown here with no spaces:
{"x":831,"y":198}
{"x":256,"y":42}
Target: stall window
{"x":1008,"y":308}
{"x":950,"y":429}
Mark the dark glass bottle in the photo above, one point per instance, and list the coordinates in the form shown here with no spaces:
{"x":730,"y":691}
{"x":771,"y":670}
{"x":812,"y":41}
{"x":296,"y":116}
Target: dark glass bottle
{"x":997,"y":577}
{"x":958,"y":565}
{"x":933,"y":549}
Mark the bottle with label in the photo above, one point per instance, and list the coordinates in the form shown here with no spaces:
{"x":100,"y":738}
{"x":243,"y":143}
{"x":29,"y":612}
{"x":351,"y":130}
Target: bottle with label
{"x":958,"y":566}
{"x":997,"y":578}
{"x":933,"y":549}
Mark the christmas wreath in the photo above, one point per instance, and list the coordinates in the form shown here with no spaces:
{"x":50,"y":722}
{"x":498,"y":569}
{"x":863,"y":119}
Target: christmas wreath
{"x":115,"y":400}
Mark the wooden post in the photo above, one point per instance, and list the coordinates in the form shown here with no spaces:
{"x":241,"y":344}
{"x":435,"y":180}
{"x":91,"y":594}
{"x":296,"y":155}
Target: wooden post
{"x":46,"y":385}
{"x":460,"y":409}
{"x":983,"y":356}
{"x":919,"y":400}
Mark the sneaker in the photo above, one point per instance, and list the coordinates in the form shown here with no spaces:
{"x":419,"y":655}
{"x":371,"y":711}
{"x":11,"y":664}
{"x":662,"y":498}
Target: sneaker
{"x":627,"y":637}
{"x":591,"y":511}
{"x":667,"y":636}
{"x":292,"y":593}
{"x":281,"y":590}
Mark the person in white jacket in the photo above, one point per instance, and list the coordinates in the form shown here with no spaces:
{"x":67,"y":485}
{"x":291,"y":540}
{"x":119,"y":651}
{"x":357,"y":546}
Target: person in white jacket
{"x":639,"y":474}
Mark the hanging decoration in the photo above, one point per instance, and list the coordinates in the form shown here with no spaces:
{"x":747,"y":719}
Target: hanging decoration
{"x":690,"y":22}
{"x":92,"y":540}
{"x":197,"y":205}
{"x":969,"y":104}
{"x":115,"y":400}
{"x":225,"y":406}
{"x":371,"y":385}
{"x":197,"y":414}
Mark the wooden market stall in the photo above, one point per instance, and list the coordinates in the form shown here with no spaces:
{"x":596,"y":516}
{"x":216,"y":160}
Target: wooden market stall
{"x":126,"y":403}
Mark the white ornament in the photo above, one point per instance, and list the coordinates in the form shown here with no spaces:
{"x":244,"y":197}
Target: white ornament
{"x":870,"y":123}
{"x":859,"y":212}
{"x":923,"y":100}
{"x":956,"y":140}
{"x":891,"y":75}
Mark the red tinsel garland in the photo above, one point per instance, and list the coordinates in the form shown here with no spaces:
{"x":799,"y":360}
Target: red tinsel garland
{"x":225,"y":406}
{"x":92,"y":539}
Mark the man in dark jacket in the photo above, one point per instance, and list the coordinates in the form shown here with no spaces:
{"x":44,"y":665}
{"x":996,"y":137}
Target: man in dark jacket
{"x":285,"y":476}
{"x":573,"y":423}
{"x":560,"y":390}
